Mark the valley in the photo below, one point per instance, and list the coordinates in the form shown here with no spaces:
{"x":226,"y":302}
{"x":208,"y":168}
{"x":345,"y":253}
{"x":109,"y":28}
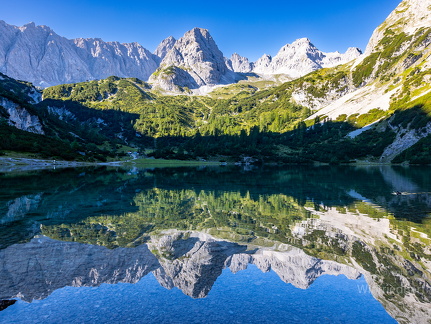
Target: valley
{"x":192,"y":103}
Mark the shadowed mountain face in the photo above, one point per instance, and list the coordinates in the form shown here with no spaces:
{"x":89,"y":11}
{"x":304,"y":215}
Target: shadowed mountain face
{"x":186,"y":225}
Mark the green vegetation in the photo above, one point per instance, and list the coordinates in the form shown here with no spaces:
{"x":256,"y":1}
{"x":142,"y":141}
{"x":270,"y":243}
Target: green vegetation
{"x":318,"y":84}
{"x":244,"y":119}
{"x":264,"y":124}
{"x":381,"y":64}
{"x":365,"y":69}
{"x":72,"y":131}
{"x":256,"y":217}
{"x":14,"y":139}
{"x":101,"y":116}
{"x":161,"y":116}
{"x":266,"y":216}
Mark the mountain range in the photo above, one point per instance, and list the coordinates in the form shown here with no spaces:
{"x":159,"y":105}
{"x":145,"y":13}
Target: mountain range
{"x":334,"y":108}
{"x":38,"y":55}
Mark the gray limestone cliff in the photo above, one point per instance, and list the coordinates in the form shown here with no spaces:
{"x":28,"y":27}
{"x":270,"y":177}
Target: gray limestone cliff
{"x":199,"y":58}
{"x":164,"y":47}
{"x":16,"y":100}
{"x":300,"y":58}
{"x":37,"y":54}
{"x":20,"y":117}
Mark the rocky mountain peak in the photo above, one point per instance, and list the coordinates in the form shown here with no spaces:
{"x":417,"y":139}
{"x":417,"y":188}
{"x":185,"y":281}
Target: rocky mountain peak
{"x":29,"y":25}
{"x":408,"y":17}
{"x":301,"y":57}
{"x":37,"y":54}
{"x":197,"y":31}
{"x":198,"y":44}
{"x":302,"y":41}
{"x":197,"y":54}
{"x":262,"y":65}
{"x":164,"y":47}
{"x":238,"y":63}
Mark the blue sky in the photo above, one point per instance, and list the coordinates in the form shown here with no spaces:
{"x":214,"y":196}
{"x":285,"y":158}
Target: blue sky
{"x":250,"y":28}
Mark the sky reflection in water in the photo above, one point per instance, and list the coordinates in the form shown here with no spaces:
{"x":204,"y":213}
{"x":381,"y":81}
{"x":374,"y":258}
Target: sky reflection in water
{"x":299,"y":231}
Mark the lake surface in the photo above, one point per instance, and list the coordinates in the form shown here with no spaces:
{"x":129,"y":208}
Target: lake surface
{"x":216,"y":244}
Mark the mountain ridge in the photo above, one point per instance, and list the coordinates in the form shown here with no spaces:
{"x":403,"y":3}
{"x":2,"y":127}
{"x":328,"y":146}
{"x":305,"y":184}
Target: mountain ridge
{"x":375,"y":108}
{"x":38,"y":55}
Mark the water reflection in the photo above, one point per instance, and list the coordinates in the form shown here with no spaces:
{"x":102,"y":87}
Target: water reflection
{"x":186,"y":225}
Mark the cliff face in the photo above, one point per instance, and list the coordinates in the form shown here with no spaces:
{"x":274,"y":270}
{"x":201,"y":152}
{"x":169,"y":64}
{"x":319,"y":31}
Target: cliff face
{"x":21,"y":118}
{"x":300,"y":58}
{"x":38,"y":55}
{"x":199,"y":58}
{"x":16,"y":99}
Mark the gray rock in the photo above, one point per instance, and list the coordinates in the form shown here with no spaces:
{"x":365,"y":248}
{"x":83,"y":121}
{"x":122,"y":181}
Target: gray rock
{"x":197,"y":54}
{"x":165,"y":46}
{"x":300,"y":58}
{"x":239,"y":63}
{"x":37,"y":54}
{"x":21,"y":118}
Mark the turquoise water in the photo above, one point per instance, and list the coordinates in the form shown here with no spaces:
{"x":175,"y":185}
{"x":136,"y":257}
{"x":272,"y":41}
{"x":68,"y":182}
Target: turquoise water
{"x":219,"y":244}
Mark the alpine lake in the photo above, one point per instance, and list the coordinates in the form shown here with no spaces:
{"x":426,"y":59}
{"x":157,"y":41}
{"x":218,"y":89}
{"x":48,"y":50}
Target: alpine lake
{"x":216,"y":244}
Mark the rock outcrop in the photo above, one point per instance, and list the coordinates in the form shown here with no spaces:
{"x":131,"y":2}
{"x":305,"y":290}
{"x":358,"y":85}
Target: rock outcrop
{"x":199,"y":58}
{"x":21,"y":118}
{"x":300,"y":58}
{"x":164,"y":47}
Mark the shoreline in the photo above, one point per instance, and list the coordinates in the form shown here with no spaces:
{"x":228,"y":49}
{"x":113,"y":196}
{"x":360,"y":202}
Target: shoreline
{"x":11,"y":164}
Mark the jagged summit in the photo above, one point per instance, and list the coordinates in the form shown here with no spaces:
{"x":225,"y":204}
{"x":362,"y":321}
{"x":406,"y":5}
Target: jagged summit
{"x":408,"y":17}
{"x":303,"y":40}
{"x":301,"y":57}
{"x":239,"y":63}
{"x":39,"y":55}
{"x":164,"y":47}
{"x":199,"y":58}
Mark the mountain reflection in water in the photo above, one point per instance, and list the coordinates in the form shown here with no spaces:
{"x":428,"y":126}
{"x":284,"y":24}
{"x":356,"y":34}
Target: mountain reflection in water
{"x":85,"y":227}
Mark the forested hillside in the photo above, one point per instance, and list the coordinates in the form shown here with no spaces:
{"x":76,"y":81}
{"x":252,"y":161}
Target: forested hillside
{"x":375,"y":108}
{"x":265,"y":124}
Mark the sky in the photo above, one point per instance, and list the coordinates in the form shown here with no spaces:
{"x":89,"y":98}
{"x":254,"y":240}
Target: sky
{"x":250,"y":28}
